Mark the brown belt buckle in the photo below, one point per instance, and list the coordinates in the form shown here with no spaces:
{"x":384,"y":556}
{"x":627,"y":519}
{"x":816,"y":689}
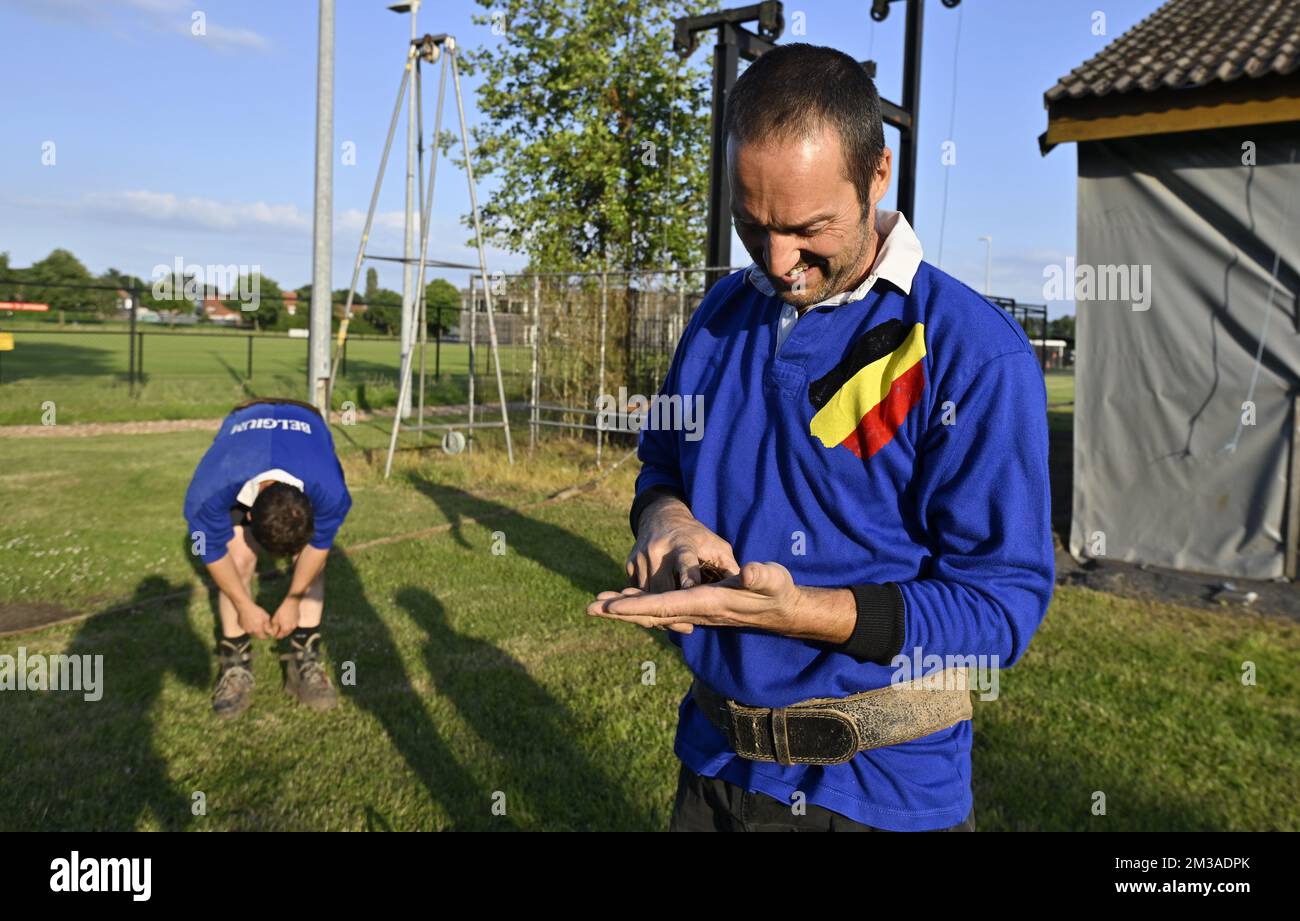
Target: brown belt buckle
{"x":794,"y":735}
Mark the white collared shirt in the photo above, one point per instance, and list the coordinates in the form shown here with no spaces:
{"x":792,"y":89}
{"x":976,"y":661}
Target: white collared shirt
{"x":248,"y":492}
{"x":899,"y":257}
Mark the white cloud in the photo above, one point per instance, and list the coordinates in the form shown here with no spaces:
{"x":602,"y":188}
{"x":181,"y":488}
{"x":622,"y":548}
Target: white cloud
{"x":193,"y":212}
{"x":125,"y":17}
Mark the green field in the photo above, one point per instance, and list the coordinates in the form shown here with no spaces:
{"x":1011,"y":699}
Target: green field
{"x":1060,"y":401}
{"x":479,"y":673}
{"x":200,"y":375}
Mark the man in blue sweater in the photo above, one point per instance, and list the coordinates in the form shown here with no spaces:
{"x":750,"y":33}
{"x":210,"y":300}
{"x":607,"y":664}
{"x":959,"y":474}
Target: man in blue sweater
{"x":874,"y":450}
{"x":270,"y":483}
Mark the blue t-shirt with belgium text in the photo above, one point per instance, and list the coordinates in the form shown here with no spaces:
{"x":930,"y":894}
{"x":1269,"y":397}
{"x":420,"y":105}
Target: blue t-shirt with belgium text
{"x":253,"y":440}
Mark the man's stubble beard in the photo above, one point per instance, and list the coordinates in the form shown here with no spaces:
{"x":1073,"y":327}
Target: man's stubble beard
{"x":843,"y":276}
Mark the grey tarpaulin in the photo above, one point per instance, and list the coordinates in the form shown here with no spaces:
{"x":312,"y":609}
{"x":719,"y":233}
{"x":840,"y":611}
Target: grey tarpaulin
{"x":1160,"y":392}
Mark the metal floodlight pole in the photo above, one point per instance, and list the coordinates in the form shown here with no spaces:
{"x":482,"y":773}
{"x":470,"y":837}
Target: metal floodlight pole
{"x":425,"y":48}
{"x":428,"y":50}
{"x":408,"y":238}
{"x":318,"y":347}
{"x":374,"y":202}
{"x":482,"y":254}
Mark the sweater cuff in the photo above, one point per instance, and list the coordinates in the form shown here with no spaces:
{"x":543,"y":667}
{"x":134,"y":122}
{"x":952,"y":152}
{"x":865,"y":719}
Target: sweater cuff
{"x":647,"y":496}
{"x":879,"y":632}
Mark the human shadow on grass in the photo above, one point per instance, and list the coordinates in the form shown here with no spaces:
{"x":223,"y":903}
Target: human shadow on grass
{"x":239,"y":379}
{"x":355,"y":632}
{"x":586,"y":566}
{"x":541,"y":762}
{"x":77,"y":764}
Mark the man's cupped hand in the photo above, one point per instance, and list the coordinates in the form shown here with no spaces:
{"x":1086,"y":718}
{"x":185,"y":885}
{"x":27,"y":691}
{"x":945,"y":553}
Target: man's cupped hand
{"x":760,"y":595}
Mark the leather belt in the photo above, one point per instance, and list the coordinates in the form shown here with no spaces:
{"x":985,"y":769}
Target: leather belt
{"x":832,"y":730}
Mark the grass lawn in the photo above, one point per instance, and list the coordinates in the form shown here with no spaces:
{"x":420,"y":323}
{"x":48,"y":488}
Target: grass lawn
{"x":1060,"y":401}
{"x":479,"y":673}
{"x":196,"y":376}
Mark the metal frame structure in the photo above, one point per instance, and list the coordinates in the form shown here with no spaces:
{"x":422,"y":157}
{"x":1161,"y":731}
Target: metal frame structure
{"x":1024,"y":314}
{"x":427,"y":49}
{"x":735,"y":42}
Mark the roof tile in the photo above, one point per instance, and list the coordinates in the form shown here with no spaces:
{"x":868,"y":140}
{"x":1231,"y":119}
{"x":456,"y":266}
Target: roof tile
{"x":1191,"y":43}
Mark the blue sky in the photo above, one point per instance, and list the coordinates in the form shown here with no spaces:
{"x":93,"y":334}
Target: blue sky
{"x":169,"y":144}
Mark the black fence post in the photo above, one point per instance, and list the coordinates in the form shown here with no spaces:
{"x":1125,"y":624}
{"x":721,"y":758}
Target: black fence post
{"x":139,"y":358}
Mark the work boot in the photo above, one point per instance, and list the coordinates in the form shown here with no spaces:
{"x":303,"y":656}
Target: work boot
{"x":234,"y":690}
{"x":304,"y":673}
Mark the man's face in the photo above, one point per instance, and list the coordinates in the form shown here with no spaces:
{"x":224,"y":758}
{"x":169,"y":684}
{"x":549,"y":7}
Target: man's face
{"x":799,"y":216}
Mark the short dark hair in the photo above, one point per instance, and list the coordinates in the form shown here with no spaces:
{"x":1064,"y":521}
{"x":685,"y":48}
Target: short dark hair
{"x":795,"y":90}
{"x":283,"y":519}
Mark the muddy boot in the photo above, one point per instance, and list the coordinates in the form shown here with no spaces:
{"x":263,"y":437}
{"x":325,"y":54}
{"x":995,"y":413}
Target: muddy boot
{"x":234,"y":690}
{"x":305,"y":677}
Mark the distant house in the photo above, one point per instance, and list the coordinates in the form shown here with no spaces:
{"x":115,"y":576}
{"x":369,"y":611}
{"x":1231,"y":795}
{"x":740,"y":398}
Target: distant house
{"x":1053,"y":354}
{"x":291,"y":301}
{"x":216,"y":311}
{"x":1187,"y":349}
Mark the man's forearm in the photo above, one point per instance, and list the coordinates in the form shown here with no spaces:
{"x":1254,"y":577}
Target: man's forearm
{"x":310,"y":563}
{"x":824,"y":615}
{"x":223,"y":573}
{"x":865,"y":621}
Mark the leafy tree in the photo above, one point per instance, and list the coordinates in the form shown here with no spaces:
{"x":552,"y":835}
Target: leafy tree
{"x":1061,"y":328}
{"x":270,"y":312}
{"x":61,"y":267}
{"x":384,"y":311}
{"x":372,"y":283}
{"x":123,"y":282}
{"x":441,"y":304}
{"x":596,"y":131}
{"x":9,"y":289}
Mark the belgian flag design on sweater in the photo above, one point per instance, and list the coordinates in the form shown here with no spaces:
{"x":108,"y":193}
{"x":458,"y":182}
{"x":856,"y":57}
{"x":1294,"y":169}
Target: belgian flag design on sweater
{"x":863,"y":400}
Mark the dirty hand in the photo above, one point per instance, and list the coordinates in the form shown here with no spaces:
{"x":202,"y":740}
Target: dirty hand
{"x":761,"y":595}
{"x":670,"y":545}
{"x":254,"y":621}
{"x":286,"y":618}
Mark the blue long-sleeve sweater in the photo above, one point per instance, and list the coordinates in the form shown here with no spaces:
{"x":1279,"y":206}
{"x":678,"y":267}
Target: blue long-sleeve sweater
{"x":900,"y":438}
{"x":253,"y":440}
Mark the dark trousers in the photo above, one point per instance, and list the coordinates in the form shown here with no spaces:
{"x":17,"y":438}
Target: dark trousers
{"x":713,"y":804}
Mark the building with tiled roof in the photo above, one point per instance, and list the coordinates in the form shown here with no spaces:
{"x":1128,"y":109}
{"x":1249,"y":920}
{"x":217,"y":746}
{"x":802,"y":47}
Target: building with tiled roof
{"x":1186,"y":282}
{"x":1190,"y":65}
